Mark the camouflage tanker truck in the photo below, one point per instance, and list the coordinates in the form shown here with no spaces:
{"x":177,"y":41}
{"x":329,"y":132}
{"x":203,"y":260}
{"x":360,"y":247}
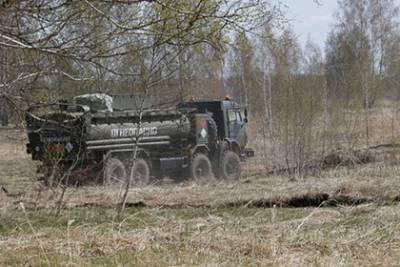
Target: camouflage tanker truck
{"x":90,"y":138}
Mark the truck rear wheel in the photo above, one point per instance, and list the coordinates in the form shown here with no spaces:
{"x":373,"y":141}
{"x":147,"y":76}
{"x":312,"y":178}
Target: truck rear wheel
{"x":140,"y":173}
{"x":230,"y":166}
{"x":114,"y":172}
{"x":200,"y":168}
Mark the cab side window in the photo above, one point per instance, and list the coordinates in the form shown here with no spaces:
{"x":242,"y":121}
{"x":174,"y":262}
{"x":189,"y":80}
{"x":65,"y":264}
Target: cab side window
{"x":234,"y":116}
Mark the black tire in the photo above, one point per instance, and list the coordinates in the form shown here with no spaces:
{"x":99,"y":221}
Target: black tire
{"x":114,"y":172}
{"x":230,"y":168}
{"x":140,"y":173}
{"x":200,"y":168}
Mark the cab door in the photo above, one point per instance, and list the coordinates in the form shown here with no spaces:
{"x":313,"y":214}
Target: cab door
{"x":236,"y":126}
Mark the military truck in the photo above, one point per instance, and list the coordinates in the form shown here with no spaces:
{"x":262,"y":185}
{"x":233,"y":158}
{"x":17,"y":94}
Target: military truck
{"x":90,"y":137}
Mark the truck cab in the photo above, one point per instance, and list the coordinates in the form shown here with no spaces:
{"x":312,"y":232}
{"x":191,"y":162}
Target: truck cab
{"x":234,"y":123}
{"x":230,"y":122}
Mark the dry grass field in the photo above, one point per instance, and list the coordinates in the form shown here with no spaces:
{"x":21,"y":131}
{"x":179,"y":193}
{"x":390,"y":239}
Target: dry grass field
{"x":338,"y":217}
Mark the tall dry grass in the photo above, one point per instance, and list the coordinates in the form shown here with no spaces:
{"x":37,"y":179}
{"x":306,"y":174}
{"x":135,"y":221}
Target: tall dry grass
{"x":190,"y":224}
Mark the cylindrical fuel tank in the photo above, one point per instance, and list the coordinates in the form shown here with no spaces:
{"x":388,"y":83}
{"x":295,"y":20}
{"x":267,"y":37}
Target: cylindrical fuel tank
{"x":172,"y":129}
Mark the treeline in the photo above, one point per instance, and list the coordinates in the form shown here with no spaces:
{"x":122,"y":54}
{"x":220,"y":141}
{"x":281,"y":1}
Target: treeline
{"x":311,"y":102}
{"x":304,"y":101}
{"x":51,"y":49}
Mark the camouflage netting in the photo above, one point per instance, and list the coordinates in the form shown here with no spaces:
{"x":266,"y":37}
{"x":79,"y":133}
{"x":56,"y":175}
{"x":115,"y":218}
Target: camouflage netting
{"x":96,"y":102}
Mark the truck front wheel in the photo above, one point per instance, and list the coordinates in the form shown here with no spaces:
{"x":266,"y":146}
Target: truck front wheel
{"x":230,"y":166}
{"x":200,"y":168}
{"x":140,"y":173}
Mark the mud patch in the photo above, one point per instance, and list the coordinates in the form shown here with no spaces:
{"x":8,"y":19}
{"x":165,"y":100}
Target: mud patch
{"x":300,"y":201}
{"x":303,"y":201}
{"x":314,"y":200}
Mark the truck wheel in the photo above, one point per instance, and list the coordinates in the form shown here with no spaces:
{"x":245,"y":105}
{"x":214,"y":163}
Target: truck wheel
{"x":140,"y":173}
{"x":200,"y":168}
{"x":115,"y":172}
{"x":230,"y":166}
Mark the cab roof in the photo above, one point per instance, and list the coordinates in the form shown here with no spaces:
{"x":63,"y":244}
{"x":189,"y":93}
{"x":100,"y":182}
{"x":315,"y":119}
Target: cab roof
{"x":202,"y":105}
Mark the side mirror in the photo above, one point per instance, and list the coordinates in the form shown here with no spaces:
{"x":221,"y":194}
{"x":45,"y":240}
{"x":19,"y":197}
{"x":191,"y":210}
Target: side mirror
{"x":245,"y":116}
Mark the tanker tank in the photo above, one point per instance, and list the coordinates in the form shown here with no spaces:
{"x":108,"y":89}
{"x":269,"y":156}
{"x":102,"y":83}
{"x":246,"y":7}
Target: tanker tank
{"x":124,"y":135}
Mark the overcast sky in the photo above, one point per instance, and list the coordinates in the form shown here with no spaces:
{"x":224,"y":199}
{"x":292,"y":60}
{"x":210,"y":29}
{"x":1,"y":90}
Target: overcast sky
{"x":309,"y":20}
